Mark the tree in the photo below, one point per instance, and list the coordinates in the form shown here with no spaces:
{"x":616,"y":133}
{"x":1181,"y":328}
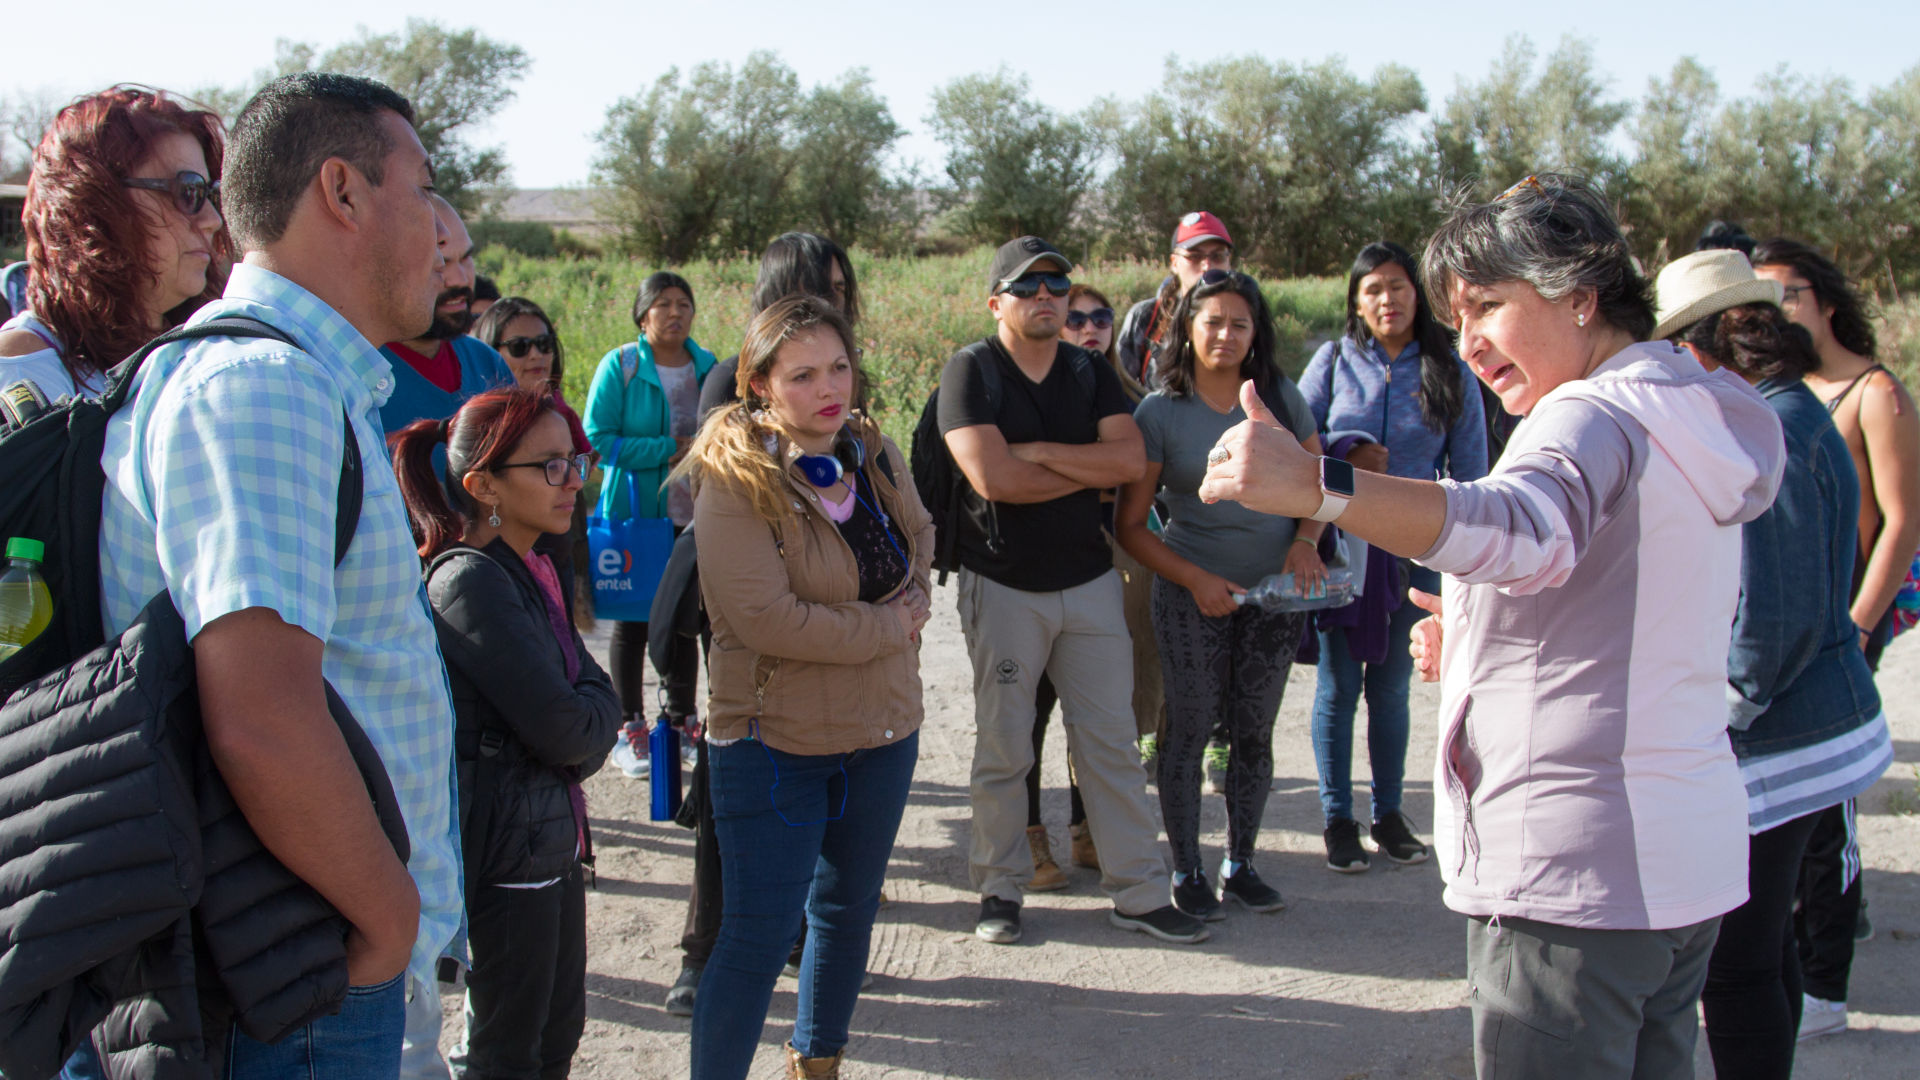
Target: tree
{"x":1515,"y":123}
{"x":725,"y":161}
{"x":455,"y":80}
{"x":1676,"y":184}
{"x":840,"y":182}
{"x":1015,"y":166}
{"x":24,"y":117}
{"x":1304,"y":164}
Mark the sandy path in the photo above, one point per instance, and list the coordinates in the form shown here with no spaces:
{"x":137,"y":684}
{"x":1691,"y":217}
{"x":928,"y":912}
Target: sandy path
{"x":1360,"y":977}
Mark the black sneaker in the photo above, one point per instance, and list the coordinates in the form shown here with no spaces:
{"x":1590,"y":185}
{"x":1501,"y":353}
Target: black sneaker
{"x":1167,"y":923}
{"x":1393,"y":835}
{"x":1246,"y":887}
{"x":1344,"y":853}
{"x":680,"y":994}
{"x":1195,"y":897}
{"x":999,"y":921}
{"x":1862,"y":926}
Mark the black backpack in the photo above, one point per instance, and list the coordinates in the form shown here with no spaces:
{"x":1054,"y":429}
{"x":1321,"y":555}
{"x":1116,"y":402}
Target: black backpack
{"x":51,"y":486}
{"x":941,"y":483}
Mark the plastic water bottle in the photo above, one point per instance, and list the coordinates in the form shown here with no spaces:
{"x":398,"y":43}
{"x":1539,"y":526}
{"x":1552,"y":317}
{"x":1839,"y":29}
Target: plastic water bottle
{"x":1277,"y":592}
{"x":663,"y":752}
{"x":26,"y":606}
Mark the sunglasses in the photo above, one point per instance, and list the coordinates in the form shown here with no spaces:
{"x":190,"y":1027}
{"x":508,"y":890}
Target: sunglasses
{"x":518,"y":347}
{"x":1027,"y":286}
{"x":191,"y":192}
{"x":1529,"y":181}
{"x":1215,"y":277}
{"x":1101,"y":317}
{"x":557,"y":468}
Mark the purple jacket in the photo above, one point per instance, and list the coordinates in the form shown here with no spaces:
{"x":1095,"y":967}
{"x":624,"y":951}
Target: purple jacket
{"x":1584,"y":776}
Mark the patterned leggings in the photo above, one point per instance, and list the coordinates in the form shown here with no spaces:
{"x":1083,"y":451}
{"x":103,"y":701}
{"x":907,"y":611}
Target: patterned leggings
{"x":1229,"y":671}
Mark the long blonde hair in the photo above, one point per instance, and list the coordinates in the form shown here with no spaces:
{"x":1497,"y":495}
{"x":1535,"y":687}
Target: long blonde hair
{"x":739,"y":445}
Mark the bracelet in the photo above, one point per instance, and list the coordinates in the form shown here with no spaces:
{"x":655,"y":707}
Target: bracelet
{"x":1298,"y":539}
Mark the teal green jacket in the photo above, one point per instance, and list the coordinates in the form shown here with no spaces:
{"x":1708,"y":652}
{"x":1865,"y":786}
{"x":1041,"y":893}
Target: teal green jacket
{"x":629,"y":424}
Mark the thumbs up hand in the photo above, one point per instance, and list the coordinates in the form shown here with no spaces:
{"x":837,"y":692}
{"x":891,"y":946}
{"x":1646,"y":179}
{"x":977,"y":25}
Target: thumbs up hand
{"x":1260,"y":465}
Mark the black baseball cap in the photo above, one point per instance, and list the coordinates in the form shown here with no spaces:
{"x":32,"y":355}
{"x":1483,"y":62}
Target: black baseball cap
{"x":1016,"y":257}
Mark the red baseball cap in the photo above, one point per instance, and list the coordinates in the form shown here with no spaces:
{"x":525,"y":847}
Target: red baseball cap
{"x":1198,"y":228}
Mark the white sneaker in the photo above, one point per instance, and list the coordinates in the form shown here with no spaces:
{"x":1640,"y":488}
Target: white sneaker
{"x":634,"y":764}
{"x":689,"y":754}
{"x":1819,"y":1016}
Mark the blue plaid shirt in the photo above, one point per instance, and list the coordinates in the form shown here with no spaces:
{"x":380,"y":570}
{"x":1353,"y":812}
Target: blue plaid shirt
{"x":222,"y":480}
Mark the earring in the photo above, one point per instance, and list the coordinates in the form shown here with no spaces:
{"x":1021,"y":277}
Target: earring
{"x":1579,"y":320}
{"x":493,"y":520}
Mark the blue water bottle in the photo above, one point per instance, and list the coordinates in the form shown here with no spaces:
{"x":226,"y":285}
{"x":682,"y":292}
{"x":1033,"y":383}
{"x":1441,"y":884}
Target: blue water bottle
{"x":663,"y":753}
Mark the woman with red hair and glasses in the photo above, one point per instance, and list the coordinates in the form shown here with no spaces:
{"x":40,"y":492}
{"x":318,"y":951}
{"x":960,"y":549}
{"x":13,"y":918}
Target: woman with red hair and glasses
{"x":534,"y":716}
{"x":124,"y":236}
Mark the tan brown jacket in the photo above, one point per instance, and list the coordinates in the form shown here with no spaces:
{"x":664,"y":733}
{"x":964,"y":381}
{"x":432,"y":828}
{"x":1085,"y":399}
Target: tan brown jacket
{"x":824,"y":672}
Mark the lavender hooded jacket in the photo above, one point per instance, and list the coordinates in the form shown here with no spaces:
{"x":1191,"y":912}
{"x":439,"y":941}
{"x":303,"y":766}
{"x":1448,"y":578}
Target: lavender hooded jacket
{"x":1584,"y":776}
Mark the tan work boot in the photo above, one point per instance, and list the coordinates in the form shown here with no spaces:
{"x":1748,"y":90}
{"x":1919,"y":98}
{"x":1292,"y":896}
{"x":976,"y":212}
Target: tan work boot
{"x":1083,"y":853}
{"x":806,"y":1068}
{"x":1047,"y":875}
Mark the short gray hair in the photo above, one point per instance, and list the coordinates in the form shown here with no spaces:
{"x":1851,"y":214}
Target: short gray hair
{"x":1551,"y":231}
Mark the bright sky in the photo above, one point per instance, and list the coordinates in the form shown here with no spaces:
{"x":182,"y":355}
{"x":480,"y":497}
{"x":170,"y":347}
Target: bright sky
{"x":586,"y":56}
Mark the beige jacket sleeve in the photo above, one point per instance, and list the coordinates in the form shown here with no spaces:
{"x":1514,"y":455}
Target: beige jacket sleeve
{"x":746,"y":584}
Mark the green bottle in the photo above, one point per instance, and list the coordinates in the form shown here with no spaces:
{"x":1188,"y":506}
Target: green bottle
{"x":26,"y":606}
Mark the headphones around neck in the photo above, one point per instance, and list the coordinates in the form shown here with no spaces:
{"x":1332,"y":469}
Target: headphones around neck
{"x":826,"y":470}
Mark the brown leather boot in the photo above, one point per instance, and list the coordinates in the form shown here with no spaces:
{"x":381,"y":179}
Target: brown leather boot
{"x":806,"y":1068}
{"x":1047,"y":875}
{"x":1083,"y":853}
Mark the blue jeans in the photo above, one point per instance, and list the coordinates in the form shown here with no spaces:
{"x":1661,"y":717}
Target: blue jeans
{"x":361,"y":1042}
{"x":1336,"y":697}
{"x":780,"y":860}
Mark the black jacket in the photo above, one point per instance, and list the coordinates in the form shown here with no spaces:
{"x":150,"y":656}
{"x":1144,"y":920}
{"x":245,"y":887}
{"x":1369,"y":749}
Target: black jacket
{"x":523,"y":732}
{"x":133,"y":894}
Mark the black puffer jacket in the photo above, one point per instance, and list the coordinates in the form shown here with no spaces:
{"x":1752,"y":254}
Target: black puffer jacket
{"x":524,"y":732}
{"x":133,"y":895}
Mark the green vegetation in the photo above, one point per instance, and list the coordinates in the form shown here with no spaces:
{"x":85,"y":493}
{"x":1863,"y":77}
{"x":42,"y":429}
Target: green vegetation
{"x":915,"y":312}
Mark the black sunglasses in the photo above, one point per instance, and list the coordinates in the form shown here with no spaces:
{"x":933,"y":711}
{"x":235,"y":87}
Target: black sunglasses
{"x":1101,"y":317}
{"x":518,"y":347}
{"x":557,"y":468}
{"x":1215,"y":277}
{"x":1027,"y":286}
{"x":190,"y":190}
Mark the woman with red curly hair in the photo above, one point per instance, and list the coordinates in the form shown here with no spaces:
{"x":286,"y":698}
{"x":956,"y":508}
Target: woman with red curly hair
{"x":124,"y":236}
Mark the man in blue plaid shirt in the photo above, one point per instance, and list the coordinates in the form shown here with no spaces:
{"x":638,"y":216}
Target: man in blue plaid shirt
{"x":222,"y":486}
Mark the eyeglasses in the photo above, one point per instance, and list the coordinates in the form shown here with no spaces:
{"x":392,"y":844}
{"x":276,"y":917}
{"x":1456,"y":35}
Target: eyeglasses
{"x":1220,"y":256}
{"x":1790,"y":294}
{"x":518,"y":347}
{"x":1527,"y":181}
{"x":1027,"y":286}
{"x":191,"y":191}
{"x":1101,"y":317}
{"x":557,"y":468}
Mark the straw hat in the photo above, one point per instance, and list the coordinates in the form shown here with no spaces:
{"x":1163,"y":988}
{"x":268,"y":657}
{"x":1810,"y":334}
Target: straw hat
{"x":1695,"y":286}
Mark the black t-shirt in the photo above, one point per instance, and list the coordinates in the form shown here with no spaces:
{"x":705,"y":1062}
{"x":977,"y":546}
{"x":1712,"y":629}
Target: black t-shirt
{"x":1049,"y":546}
{"x":876,"y":549}
{"x":720,"y":388}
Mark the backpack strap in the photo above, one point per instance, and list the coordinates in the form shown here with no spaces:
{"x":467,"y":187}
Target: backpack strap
{"x":352,"y":487}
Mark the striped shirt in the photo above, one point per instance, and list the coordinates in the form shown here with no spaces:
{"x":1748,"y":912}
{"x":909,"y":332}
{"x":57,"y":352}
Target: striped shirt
{"x":1794,"y":783}
{"x":222,"y":483}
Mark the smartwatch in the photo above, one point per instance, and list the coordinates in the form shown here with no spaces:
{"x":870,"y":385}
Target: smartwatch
{"x":1336,"y":488}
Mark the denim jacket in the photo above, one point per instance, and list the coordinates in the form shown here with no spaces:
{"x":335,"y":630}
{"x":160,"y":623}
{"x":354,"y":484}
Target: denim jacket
{"x":1795,"y":673}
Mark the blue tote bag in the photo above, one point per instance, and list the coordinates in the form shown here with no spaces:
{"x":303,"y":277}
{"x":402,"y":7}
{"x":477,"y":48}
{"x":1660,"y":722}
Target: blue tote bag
{"x":627,"y":557}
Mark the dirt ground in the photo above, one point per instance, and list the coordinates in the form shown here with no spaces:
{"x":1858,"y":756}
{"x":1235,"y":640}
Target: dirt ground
{"x":1360,"y":978}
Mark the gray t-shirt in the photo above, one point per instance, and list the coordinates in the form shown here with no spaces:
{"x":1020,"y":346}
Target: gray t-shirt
{"x":683,"y":404}
{"x":1224,"y":538}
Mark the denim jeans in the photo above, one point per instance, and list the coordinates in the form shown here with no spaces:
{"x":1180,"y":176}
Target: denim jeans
{"x":360,"y":1042}
{"x":1336,"y":697}
{"x":84,"y":1064}
{"x":780,"y":860}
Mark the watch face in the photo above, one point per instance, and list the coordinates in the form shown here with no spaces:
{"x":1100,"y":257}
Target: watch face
{"x":1336,"y":476}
